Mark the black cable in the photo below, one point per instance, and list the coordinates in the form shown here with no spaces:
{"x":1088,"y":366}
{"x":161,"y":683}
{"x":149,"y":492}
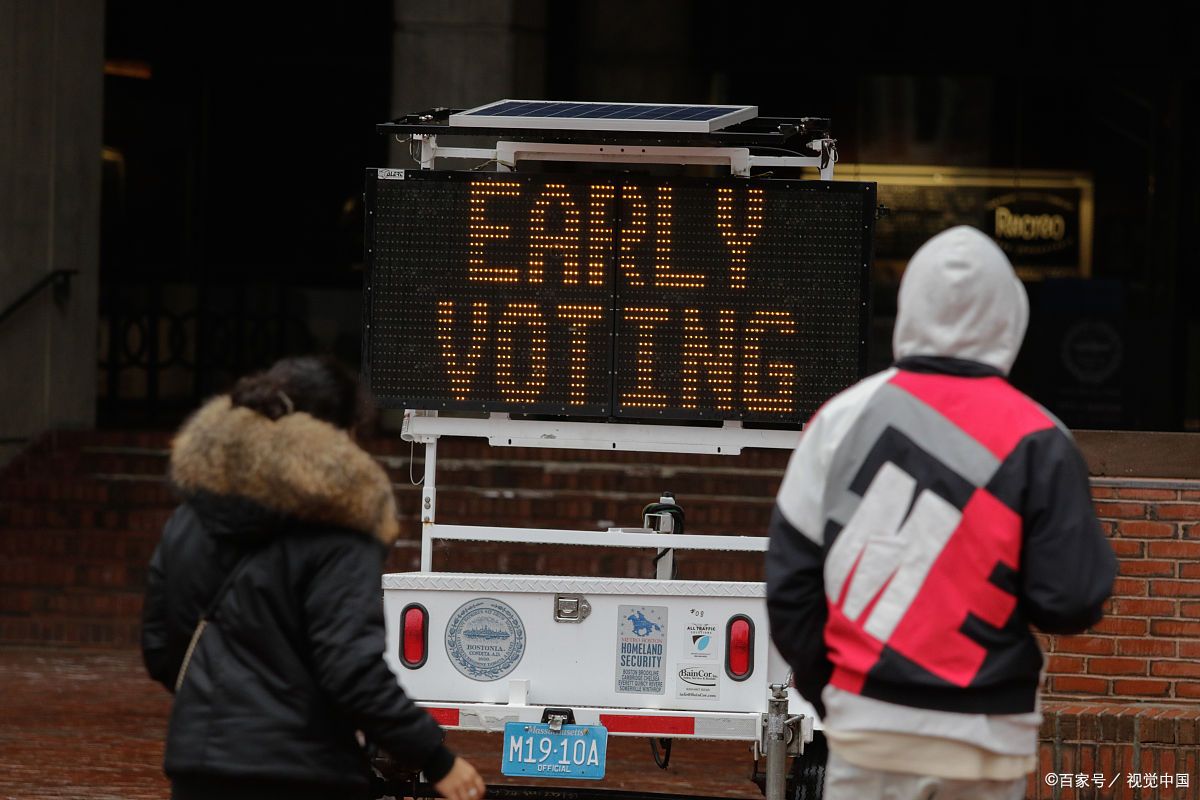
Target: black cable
{"x":809,"y":154}
{"x":677,"y":515}
{"x":674,"y":564}
{"x":826,"y":153}
{"x":665,"y":759}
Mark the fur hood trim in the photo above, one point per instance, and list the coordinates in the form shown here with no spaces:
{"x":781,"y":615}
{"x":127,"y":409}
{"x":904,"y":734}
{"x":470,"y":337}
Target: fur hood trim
{"x":297,"y":465}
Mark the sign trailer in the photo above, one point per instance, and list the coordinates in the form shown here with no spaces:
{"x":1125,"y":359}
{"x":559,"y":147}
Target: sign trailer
{"x":573,"y":307}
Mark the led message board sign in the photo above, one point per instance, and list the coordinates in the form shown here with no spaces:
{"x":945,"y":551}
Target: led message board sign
{"x":615,"y":296}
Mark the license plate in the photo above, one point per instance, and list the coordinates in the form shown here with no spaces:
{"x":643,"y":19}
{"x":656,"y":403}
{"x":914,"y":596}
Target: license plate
{"x":532,"y":749}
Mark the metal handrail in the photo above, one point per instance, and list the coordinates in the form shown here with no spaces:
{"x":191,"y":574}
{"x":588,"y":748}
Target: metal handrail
{"x":60,"y":279}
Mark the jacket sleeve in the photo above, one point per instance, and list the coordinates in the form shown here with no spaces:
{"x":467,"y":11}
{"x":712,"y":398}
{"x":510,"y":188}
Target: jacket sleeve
{"x":796,"y":607}
{"x":795,"y":565}
{"x":163,"y":639}
{"x":155,"y":650}
{"x":344,"y":617}
{"x":1067,"y":565}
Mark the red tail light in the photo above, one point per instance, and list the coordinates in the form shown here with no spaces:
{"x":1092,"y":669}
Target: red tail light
{"x":414,"y":635}
{"x":739,"y":649}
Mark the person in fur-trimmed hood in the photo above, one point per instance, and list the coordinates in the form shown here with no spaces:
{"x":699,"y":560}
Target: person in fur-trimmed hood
{"x":279,"y":545}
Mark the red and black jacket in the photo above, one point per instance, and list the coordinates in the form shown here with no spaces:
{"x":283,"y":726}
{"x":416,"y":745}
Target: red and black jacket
{"x":930,"y":515}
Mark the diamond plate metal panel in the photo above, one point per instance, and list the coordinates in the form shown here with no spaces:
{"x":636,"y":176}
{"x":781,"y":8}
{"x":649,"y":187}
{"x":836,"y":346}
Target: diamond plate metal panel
{"x":464,"y":582}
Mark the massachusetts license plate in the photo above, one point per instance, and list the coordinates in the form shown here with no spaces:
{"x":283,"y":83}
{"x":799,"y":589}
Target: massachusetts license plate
{"x":575,"y":751}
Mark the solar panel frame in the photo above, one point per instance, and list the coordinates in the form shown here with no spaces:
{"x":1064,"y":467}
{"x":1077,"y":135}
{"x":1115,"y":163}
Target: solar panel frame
{"x":585,"y":115}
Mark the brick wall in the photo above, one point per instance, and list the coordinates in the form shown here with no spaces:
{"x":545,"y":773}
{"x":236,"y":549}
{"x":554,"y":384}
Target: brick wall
{"x":1132,"y":747}
{"x":1148,"y":645}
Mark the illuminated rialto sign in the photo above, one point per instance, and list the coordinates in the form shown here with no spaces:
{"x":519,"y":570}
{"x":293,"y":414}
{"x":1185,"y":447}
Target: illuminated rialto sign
{"x":615,"y":296}
{"x":1043,"y":221}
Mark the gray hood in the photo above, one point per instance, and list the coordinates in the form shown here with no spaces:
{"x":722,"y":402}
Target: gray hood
{"x":960,"y":298}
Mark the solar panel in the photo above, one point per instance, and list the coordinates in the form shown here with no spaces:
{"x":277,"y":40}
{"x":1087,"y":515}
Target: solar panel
{"x":562,"y":114}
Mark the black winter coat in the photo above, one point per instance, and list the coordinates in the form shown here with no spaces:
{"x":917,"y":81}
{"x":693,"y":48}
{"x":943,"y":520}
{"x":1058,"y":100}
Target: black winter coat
{"x":292,"y":667}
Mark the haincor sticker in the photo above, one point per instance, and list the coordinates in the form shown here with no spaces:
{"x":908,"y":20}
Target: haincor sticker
{"x":485,"y":639}
{"x":641,"y":649}
{"x":697,"y":680}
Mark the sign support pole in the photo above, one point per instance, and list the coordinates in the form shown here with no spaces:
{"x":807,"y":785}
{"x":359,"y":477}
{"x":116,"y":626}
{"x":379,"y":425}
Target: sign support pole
{"x":777,"y":761}
{"x":428,"y":493}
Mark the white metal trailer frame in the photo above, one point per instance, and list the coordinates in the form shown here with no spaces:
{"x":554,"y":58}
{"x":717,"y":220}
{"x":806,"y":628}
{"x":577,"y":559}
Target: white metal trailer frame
{"x":777,"y":733}
{"x":507,"y":155}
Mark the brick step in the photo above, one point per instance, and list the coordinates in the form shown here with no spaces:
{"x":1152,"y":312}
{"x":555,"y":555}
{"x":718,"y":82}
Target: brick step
{"x":94,"y":500}
{"x":133,"y":548}
{"x":56,"y":449}
{"x":40,"y":573}
{"x":575,"y":511}
{"x":113,"y":490}
{"x":42,"y":464}
{"x":142,"y":439}
{"x":36,"y":515}
{"x":76,"y":632}
{"x":464,"y":506}
{"x":74,"y":603}
{"x":123,"y":461}
{"x":120,"y":545}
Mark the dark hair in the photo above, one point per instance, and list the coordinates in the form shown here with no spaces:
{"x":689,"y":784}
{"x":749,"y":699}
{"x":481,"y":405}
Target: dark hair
{"x":317,"y":385}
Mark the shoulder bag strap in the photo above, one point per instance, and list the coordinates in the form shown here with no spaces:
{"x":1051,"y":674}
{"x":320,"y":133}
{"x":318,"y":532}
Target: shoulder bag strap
{"x":208,"y":614}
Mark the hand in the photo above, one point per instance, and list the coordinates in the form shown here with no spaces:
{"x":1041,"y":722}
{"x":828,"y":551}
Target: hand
{"x":462,"y":782}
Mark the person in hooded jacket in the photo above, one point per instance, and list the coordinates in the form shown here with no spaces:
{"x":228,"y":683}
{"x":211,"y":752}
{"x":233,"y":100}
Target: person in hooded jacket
{"x":929,"y":515}
{"x":279,"y":544}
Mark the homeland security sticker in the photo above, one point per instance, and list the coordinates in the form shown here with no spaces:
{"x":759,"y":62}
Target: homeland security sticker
{"x":641,"y":649}
{"x":697,"y":680}
{"x":485,"y":639}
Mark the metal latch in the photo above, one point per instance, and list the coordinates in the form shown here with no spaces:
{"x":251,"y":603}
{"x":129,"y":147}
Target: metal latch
{"x":790,"y":732}
{"x":556,"y":717}
{"x":571,"y":608}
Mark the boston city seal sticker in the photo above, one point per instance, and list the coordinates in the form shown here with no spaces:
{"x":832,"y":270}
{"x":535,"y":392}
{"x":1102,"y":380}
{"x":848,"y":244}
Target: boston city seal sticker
{"x":485,"y":639}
